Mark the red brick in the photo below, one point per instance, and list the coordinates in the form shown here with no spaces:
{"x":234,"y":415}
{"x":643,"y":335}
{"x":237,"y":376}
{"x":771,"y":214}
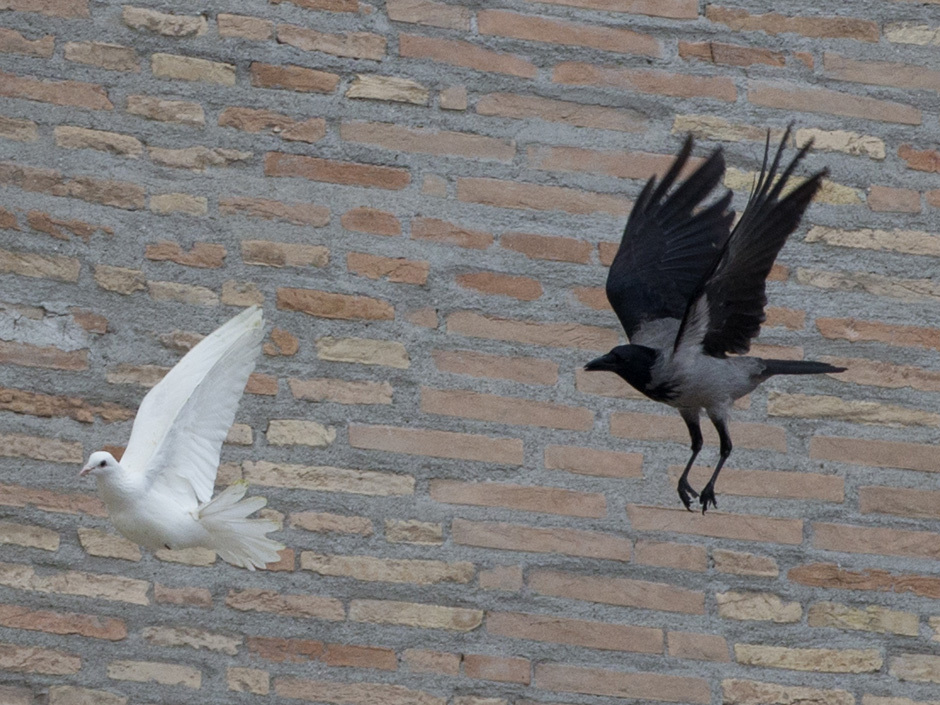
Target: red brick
{"x":360,"y":657}
{"x":32,"y":659}
{"x":335,"y":172}
{"x":899,"y":501}
{"x":515,"y":194}
{"x":701,"y":647}
{"x":881,"y":73}
{"x":356,"y":693}
{"x":371,"y":220}
{"x":70,"y":93}
{"x":922,"y":160}
{"x":295,"y":213}
{"x":896,"y":200}
{"x":425,"y":661}
{"x":188,"y":596}
{"x":252,"y":120}
{"x":886,"y":542}
{"x":575,"y":73}
{"x":87,"y":625}
{"x":539,"y":29}
{"x":873,"y":453}
{"x":790,"y":96}
{"x":497,"y":668}
{"x":549,"y":247}
{"x":293,"y":78}
{"x":829,"y":575}
{"x":437,"y":444}
{"x":516,"y":537}
{"x":730,"y":54}
{"x":590,"y":461}
{"x":524,"y":107}
{"x":666,"y":554}
{"x":775,"y":484}
{"x":738,"y":527}
{"x":624,"y":592}
{"x":655,"y":427}
{"x":201,"y":254}
{"x":501,"y":577}
{"x":441,"y":231}
{"x":461,"y":53}
{"x":12,"y":42}
{"x":26,"y":355}
{"x":517,"y":287}
{"x":394,"y":269}
{"x":526,"y":498}
{"x":675,"y":9}
{"x":284,"y":650}
{"x":426,"y":12}
{"x":49,"y":406}
{"x":527,"y":370}
{"x":179,"y":111}
{"x":596,"y":298}
{"x":576,"y":632}
{"x":8,"y":219}
{"x":560,"y":335}
{"x":774,"y":23}
{"x":426,"y":141}
{"x":52,"y":8}
{"x":507,"y":410}
{"x":620,"y":684}
{"x":56,"y":227}
{"x":355,"y":45}
{"x":328,"y":305}
{"x":630,"y":165}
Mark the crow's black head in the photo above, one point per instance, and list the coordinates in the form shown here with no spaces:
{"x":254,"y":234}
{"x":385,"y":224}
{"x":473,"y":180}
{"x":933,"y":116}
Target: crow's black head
{"x":633,"y":363}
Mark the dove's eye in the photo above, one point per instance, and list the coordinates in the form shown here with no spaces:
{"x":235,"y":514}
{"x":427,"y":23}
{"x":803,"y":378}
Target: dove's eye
{"x":102,"y":463}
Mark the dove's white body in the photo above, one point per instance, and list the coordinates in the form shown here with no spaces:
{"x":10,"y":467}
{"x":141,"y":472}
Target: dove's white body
{"x":160,"y":494}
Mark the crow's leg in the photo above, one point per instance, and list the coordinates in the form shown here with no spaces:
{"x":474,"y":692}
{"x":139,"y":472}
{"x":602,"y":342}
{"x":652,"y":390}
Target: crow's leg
{"x":690,"y":416}
{"x":708,"y":492}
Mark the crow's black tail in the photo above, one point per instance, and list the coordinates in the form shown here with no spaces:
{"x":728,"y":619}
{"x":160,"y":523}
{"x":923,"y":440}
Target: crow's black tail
{"x":798,"y":367}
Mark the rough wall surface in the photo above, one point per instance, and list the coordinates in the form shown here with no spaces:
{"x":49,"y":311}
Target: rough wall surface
{"x":425,"y":196}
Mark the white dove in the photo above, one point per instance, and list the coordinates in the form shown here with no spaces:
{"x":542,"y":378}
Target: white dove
{"x":160,"y":494}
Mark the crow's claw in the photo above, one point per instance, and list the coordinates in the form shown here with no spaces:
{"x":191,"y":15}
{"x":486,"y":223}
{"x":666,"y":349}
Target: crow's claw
{"x":685,"y":489}
{"x":708,"y":497}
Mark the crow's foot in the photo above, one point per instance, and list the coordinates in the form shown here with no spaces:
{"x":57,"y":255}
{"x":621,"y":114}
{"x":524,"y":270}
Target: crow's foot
{"x":685,"y":490}
{"x":708,"y":497}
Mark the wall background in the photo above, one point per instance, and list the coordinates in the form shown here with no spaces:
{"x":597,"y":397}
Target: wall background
{"x":425,"y":196}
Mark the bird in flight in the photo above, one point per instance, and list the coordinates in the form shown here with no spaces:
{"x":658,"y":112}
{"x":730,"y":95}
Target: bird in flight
{"x":160,"y":494}
{"x":689,"y":290}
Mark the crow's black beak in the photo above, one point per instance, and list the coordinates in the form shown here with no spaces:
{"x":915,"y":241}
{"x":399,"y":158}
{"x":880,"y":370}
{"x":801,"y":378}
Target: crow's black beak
{"x":605,"y":362}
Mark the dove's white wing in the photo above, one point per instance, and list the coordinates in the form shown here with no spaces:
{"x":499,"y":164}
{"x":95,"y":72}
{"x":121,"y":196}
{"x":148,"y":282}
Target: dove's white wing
{"x":181,"y":423}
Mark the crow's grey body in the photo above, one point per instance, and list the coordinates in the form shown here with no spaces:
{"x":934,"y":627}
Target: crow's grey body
{"x":688,"y":290}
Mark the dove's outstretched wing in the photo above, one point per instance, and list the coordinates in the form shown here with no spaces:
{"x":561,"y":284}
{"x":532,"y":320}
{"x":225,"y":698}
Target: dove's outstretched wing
{"x":181,"y":423}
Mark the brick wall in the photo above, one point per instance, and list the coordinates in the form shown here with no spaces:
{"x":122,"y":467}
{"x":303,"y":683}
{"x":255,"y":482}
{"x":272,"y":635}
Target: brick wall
{"x":425,"y":198}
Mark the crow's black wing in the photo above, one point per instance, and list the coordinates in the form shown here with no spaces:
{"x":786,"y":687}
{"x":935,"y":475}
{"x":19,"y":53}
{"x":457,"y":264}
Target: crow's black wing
{"x":667,"y":247}
{"x":733,"y":295}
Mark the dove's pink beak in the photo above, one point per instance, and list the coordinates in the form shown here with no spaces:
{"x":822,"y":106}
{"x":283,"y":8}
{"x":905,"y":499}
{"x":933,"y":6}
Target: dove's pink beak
{"x":85,"y":470}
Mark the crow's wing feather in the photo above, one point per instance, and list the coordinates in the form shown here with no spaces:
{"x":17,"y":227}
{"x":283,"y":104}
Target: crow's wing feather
{"x":666,"y":247}
{"x":734,"y":292}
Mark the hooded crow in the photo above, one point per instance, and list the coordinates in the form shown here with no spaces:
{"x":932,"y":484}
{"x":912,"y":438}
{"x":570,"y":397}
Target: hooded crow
{"x":689,"y":290}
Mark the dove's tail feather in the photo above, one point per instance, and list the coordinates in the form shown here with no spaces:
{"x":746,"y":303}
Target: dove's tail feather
{"x":236,"y":538}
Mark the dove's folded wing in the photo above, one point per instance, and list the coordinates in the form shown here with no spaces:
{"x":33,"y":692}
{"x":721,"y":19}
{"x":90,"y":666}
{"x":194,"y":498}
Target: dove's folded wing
{"x":181,"y":424}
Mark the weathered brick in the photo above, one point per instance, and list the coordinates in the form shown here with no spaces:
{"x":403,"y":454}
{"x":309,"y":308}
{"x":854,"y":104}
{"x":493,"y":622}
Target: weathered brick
{"x":80,"y":138}
{"x":547,"y":247}
{"x":188,"y":68}
{"x":32,"y":659}
{"x":355,"y":45}
{"x":328,"y":479}
{"x":562,"y":335}
{"x":392,"y":88}
{"x":453,"y":98}
{"x":517,"y":287}
{"x":426,"y":141}
{"x":617,"y":591}
{"x":819,"y":660}
{"x":490,"y":407}
{"x":390,"y":570}
{"x":50,"y":406}
{"x":768,"y":483}
{"x":371,"y":220}
{"x":260,"y":120}
{"x":284,"y":254}
{"x":575,"y":73}
{"x":412,"y":614}
{"x":511,"y":105}
{"x":426,"y":661}
{"x":46,"y":500}
{"x":244,"y":27}
{"x":872,"y":618}
{"x":774,"y":23}
{"x":394,"y":269}
{"x":884,"y":541}
{"x":12,"y":42}
{"x":363,"y":351}
{"x":336,"y":172}
{"x":106,"y":56}
{"x":916,"y":667}
{"x":621,"y":684}
{"x":197,"y":158}
{"x":353,"y":656}
{"x":329,"y":305}
{"x":427,"y":12}
{"x":360,"y":693}
{"x":874,"y":453}
{"x":699,"y":647}
{"x":629,"y":424}
{"x":525,"y":196}
{"x":577,"y":632}
{"x":742,"y":692}
{"x":201,"y":254}
{"x":882,"y":73}
{"x":155,"y":672}
{"x":68,"y":93}
{"x":666,"y":554}
{"x":675,"y":9}
{"x":73,"y":695}
{"x":590,"y":461}
{"x":742,"y":527}
{"x":182,"y":293}
{"x":757,"y":606}
{"x":519,"y":497}
{"x":517,"y":537}
{"x":29,"y":536}
{"x":248,"y":680}
{"x":72,"y":582}
{"x":842,"y":141}
{"x":741,"y":563}
{"x":19,"y":130}
{"x":302,"y":606}
{"x":189,"y":596}
{"x":527,"y":370}
{"x":299,"y":432}
{"x":185,"y":203}
{"x":47,"y":356}
{"x":162,"y":110}
{"x":789,"y":96}
{"x":437,"y":444}
{"x":441,"y":231}
{"x":292,"y":78}
{"x":341,"y":391}
{"x":730,"y":54}
{"x":169,"y":25}
{"x":460,"y":53}
{"x":101,"y":543}
{"x":193,"y":638}
{"x":497,"y":668}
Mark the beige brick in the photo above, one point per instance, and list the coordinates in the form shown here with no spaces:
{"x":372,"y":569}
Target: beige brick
{"x":341,"y":391}
{"x":590,"y":461}
{"x":389,"y":570}
{"x":809,"y":406}
{"x":742,"y":527}
{"x":412,"y":614}
{"x":187,"y":68}
{"x":818,"y":660}
{"x":871,"y":619}
{"x":19,"y":130}
{"x":169,"y":25}
{"x":182,"y":293}
{"x":101,"y":543}
{"x":285,"y":254}
{"x":909,"y":290}
{"x":428,"y":141}
{"x":530,"y":498}
{"x":31,"y":659}
{"x":268,"y":601}
{"x":426,"y":661}
{"x":72,"y":582}
{"x":501,"y":577}
{"x":187,"y":596}
{"x":363,"y":351}
{"x":27,"y":264}
{"x":325,"y":522}
{"x":187,"y":556}
{"x":299,"y":432}
{"x":328,"y":479}
{"x":244,"y":27}
{"x":72,"y":695}
{"x":757,"y":606}
{"x":12,"y":42}
{"x":107,"y":56}
{"x":241,"y":294}
{"x":912,"y":33}
{"x":392,"y":88}
{"x":740,"y":563}
{"x":168,"y":203}
{"x":248,"y":680}
{"x":559,"y":335}
{"x":427,"y":12}
{"x":356,"y":45}
{"x":193,"y":638}
{"x":70,"y":137}
{"x":28,"y":536}
{"x":577,"y":632}
{"x":916,"y":667}
{"x":699,"y":647}
{"x":325,"y":304}
{"x":625,"y":592}
{"x":197,"y":158}
{"x":437,"y":444}
{"x":622,"y":684}
{"x":155,"y":672}
{"x":360,"y":693}
{"x":842,"y":141}
{"x":742,"y":692}
{"x":179,"y":111}
{"x":510,"y":105}
{"x":912,"y":242}
{"x":453,"y":98}
{"x":829,"y":192}
{"x":515,"y":537}
{"x":17,"y":445}
{"x":413,"y":531}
